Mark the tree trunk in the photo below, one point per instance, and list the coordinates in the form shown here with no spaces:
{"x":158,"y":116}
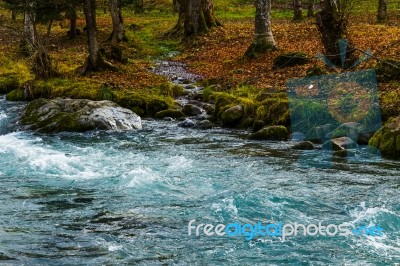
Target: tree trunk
{"x":29,"y":40}
{"x":195,"y":17}
{"x":95,"y":61}
{"x":382,"y":11}
{"x":263,"y":38}
{"x":310,"y":8}
{"x":73,"y":16}
{"x":298,"y":15}
{"x":118,"y":33}
{"x":13,"y":15}
{"x":332,"y":24}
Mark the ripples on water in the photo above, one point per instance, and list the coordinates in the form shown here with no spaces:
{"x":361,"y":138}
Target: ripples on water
{"x":114,"y":198}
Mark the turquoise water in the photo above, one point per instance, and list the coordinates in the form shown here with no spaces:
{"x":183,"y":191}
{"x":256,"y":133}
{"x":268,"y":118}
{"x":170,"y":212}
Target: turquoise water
{"x":104,"y":198}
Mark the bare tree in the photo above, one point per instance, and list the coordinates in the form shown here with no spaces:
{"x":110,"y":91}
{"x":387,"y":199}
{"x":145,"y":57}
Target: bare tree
{"x":263,"y":39}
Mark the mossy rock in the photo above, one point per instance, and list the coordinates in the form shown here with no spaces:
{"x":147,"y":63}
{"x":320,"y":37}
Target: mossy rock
{"x":16,"y":95}
{"x":169,"y":89}
{"x":8,"y":84}
{"x":290,"y":59}
{"x":144,"y":104}
{"x":271,"y":133}
{"x":387,"y":139}
{"x":390,"y":103}
{"x":223,"y":101}
{"x":388,"y":70}
{"x":232,"y":116}
{"x":169,"y":113}
{"x":274,"y":111}
{"x":77,"y":115}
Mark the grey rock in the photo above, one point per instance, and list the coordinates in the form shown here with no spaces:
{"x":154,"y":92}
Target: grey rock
{"x":78,"y":115}
{"x":304,"y":146}
{"x":192,"y":110}
{"x":205,"y":124}
{"x":187,"y":123}
{"x":232,"y":116}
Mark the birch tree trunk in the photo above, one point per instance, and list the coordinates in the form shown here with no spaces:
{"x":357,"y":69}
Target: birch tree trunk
{"x":263,"y":39}
{"x":29,"y":26}
{"x":382,"y":11}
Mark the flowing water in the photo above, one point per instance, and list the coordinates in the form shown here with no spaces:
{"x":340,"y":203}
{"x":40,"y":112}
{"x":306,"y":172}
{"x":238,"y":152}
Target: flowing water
{"x":103,"y":198}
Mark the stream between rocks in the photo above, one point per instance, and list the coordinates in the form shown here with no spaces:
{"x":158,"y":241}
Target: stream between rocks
{"x":100,"y":198}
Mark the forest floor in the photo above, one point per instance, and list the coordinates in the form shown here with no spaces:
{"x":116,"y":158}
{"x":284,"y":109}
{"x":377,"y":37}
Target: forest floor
{"x":217,"y":56}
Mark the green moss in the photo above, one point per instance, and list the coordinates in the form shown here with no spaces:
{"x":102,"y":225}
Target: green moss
{"x":271,"y":133}
{"x":309,"y":113}
{"x":169,"y":113}
{"x":390,"y":104}
{"x":144,"y":103}
{"x":170,"y":90}
{"x":274,"y":111}
{"x":387,"y":139}
{"x":18,"y":70}
{"x":58,"y":87}
{"x":16,"y":95}
{"x":268,"y":107}
{"x":8,"y":83}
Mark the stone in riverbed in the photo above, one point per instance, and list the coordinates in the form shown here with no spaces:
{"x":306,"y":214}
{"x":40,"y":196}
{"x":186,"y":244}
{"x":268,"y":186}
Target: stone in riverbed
{"x":169,"y":113}
{"x":77,"y":115}
{"x":192,"y":110}
{"x":304,"y":146}
{"x":232,"y":116}
{"x":187,"y":123}
{"x":205,"y":124}
{"x":339,"y":144}
{"x":271,"y":133}
{"x":353,"y":130}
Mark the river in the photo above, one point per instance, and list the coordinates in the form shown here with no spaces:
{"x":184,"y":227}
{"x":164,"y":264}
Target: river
{"x":102,"y":198}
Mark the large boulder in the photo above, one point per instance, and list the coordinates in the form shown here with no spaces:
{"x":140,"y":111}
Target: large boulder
{"x":387,"y":139}
{"x":77,"y":115}
{"x":271,"y":133}
{"x":232,"y":116}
